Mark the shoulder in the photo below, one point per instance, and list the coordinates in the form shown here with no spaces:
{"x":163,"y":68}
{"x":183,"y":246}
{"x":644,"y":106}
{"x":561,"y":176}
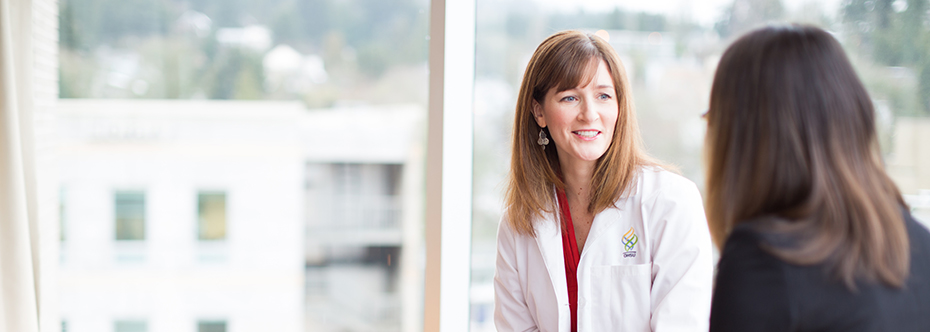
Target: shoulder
{"x":751,"y":288}
{"x":507,"y":231}
{"x":671,"y":209}
{"x":919,"y":237}
{"x":662,"y":190}
{"x":917,"y":232}
{"x":505,"y":227}
{"x":656,"y":181}
{"x":744,"y":261}
{"x":744,"y":241}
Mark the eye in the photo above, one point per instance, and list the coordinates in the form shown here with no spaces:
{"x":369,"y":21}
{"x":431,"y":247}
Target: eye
{"x":568,"y":98}
{"x":605,"y":96}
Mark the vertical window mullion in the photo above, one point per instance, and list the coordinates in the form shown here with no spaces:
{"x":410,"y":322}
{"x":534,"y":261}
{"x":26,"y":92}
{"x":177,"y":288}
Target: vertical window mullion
{"x":449,"y":165}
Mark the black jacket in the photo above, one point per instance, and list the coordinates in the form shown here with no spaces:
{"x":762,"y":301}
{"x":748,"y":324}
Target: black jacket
{"x":756,"y":291}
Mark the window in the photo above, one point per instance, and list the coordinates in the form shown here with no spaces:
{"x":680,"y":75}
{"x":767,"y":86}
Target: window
{"x":211,"y":216}
{"x":355,"y":230}
{"x":205,"y":114}
{"x":670,"y":50}
{"x":130,"y":215}
{"x":264,"y":95}
{"x":211,"y":326}
{"x":131,"y":326}
{"x":363,"y":195}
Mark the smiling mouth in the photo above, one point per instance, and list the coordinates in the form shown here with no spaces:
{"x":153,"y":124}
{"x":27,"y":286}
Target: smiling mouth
{"x":586,"y":133}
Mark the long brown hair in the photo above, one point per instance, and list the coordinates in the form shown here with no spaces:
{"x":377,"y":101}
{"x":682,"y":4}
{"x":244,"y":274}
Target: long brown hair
{"x":564,"y":61}
{"x":791,"y":138}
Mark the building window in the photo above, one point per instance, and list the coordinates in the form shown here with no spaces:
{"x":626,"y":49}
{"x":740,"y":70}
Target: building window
{"x":130,"y":215}
{"x":131,"y":326}
{"x":211,"y":216}
{"x":364,"y":196}
{"x":211,"y":326}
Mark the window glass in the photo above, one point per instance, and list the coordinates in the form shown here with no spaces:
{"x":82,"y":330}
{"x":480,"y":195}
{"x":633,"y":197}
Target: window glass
{"x":670,"y":50}
{"x":130,"y":215}
{"x":211,"y":216}
{"x":288,"y":135}
{"x":314,"y":51}
{"x":355,"y":233}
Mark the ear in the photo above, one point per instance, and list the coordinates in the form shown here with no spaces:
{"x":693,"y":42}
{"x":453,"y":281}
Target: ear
{"x":538,"y":114}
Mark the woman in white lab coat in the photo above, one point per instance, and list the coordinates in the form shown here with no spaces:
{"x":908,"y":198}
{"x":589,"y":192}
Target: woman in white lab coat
{"x":597,"y":236}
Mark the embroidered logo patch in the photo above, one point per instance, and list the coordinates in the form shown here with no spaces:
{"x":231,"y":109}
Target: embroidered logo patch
{"x":629,"y":242}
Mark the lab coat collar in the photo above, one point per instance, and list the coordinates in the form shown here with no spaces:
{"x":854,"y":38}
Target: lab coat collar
{"x":549,"y":241}
{"x":602,"y":222}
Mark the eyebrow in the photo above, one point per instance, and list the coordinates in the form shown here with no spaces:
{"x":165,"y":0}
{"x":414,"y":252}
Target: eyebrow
{"x":602,"y":86}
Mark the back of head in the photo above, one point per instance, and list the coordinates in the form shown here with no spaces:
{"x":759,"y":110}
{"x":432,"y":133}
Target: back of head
{"x":791,"y":134}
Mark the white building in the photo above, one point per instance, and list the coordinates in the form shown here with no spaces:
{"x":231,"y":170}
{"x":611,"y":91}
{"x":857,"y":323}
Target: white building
{"x":193,"y":216}
{"x":364,"y":206}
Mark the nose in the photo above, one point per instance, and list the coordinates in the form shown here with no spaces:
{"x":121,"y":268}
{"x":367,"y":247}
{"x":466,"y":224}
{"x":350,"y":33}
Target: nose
{"x":588,"y":111}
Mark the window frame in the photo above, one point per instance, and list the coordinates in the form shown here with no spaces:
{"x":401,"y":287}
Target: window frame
{"x":448,"y":163}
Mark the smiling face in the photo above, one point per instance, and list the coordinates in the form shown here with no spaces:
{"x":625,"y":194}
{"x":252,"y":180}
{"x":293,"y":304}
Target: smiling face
{"x":581,"y":120}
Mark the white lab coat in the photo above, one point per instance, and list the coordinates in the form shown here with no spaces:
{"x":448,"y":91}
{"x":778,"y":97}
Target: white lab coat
{"x":662,"y":284}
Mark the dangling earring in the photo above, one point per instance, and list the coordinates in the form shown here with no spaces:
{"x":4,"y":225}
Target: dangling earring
{"x":543,"y":140}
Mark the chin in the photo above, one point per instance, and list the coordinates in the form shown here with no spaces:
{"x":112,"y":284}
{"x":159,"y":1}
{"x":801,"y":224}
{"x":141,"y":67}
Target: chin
{"x":591,"y":156}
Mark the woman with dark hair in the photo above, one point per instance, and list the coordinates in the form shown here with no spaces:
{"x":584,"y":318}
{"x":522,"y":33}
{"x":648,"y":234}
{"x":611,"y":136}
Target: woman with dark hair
{"x":815,"y":235}
{"x":597,"y":236}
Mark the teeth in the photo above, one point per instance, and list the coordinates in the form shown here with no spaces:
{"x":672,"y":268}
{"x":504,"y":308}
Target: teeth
{"x":587,"y":133}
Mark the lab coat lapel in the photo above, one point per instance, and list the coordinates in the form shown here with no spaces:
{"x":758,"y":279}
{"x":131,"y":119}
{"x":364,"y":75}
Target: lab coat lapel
{"x":602,"y":222}
{"x":549,"y":240}
{"x":606,"y":219}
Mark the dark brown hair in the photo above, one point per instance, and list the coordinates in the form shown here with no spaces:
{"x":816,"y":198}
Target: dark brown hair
{"x":563,"y":61}
{"x":791,"y":136}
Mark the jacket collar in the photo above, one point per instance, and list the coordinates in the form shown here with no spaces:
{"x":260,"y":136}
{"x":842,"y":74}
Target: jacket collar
{"x":602,"y":222}
{"x":549,"y":241}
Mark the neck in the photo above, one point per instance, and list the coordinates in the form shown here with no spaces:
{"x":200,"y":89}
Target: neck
{"x":577,"y":177}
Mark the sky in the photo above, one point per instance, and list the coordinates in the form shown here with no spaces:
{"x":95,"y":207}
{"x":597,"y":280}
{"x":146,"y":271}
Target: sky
{"x":704,"y":12}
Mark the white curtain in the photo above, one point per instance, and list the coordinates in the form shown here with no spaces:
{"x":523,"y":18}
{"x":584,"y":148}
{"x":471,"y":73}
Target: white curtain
{"x":19,"y":245}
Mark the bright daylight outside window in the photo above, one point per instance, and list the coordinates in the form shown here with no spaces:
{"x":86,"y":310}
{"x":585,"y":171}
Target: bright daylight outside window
{"x":247,"y":165}
{"x":670,"y":50}
{"x":253,"y":165}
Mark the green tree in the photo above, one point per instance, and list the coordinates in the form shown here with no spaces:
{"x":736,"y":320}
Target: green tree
{"x":744,"y":15}
{"x":234,"y":74}
{"x":87,"y":24}
{"x":895,"y":33}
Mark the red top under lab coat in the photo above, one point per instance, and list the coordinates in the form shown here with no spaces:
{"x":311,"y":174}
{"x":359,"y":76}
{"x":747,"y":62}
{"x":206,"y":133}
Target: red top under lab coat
{"x":570,"y":251}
